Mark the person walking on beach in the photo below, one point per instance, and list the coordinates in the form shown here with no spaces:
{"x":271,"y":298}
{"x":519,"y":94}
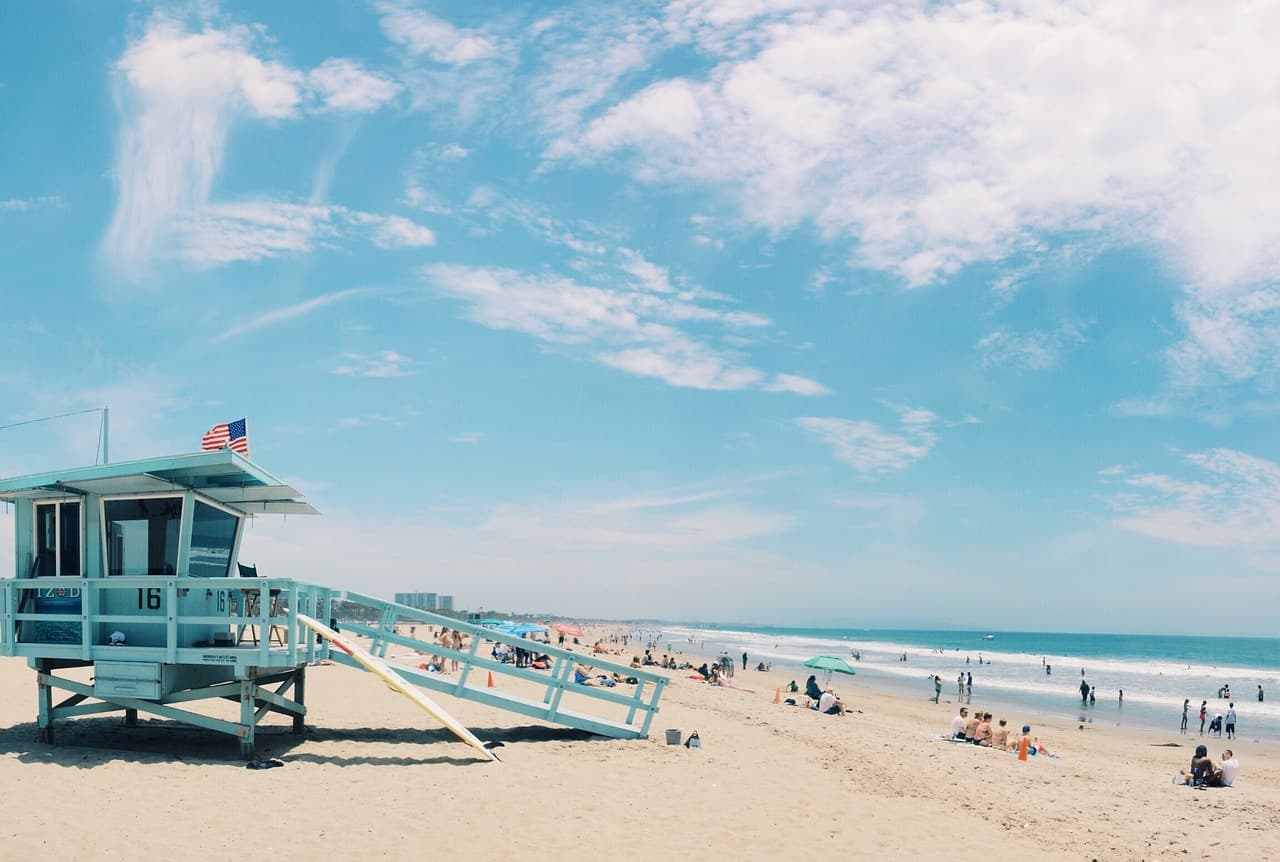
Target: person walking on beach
{"x":968,"y":686}
{"x":1204,"y":713}
{"x":1231,"y":721}
{"x":1186,"y":705}
{"x":744,"y":661}
{"x":1084,"y":691}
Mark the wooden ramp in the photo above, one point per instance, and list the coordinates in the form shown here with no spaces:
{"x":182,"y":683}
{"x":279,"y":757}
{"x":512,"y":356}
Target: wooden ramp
{"x":173,"y":655}
{"x":624,"y":711}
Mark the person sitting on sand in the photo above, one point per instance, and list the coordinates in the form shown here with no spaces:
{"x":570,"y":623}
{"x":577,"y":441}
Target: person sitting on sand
{"x":957,"y":723}
{"x":582,"y":675}
{"x":1227,"y":768}
{"x":792,"y":687}
{"x":829,"y":704}
{"x":1000,"y":738}
{"x":982,"y":734}
{"x":811,"y":689}
{"x":971,"y":727}
{"x":1203,"y":770}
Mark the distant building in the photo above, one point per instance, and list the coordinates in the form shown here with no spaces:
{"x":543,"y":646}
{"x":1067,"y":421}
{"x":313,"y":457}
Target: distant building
{"x":423,"y":601}
{"x":446,"y":602}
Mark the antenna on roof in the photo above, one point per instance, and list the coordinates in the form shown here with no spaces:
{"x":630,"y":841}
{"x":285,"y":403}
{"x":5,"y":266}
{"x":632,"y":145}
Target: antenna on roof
{"x":102,"y":430}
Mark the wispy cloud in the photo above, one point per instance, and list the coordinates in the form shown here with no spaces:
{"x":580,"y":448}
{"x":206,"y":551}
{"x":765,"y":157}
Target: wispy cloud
{"x":597,"y":525}
{"x":20,"y":205}
{"x":253,"y":230}
{"x":179,"y":93}
{"x":397,"y":232}
{"x":287,"y":313}
{"x":385,"y":364}
{"x":923,"y":138}
{"x":469,"y":438}
{"x":868,"y":447}
{"x":1234,"y":503}
{"x":445,"y":66}
{"x":434,"y":38}
{"x":631,"y":328}
{"x":1035,"y":350}
{"x":346,"y":86}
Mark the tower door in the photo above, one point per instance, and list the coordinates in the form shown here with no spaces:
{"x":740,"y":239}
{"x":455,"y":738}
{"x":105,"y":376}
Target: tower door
{"x":59,"y":549}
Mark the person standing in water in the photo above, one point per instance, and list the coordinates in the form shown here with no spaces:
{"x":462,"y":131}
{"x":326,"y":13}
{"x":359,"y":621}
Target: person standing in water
{"x":1084,"y":691}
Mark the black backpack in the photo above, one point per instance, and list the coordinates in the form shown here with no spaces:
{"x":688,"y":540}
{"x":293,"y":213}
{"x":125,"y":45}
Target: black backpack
{"x":693,"y":741}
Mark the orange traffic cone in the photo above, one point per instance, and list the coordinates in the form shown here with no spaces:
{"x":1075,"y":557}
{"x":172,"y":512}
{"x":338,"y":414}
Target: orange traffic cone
{"x":490,"y":683}
{"x":777,"y":695}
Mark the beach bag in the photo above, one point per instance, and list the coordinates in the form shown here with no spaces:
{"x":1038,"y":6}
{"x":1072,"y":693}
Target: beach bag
{"x":693,"y":741}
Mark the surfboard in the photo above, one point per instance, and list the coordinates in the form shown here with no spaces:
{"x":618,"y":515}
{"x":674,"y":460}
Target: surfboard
{"x":384,"y":672}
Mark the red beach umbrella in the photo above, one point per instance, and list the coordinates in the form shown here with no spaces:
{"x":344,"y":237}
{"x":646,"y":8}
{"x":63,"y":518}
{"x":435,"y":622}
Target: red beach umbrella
{"x":569,"y":629}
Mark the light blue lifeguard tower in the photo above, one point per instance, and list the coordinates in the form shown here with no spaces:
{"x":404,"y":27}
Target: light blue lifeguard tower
{"x":133,"y":569}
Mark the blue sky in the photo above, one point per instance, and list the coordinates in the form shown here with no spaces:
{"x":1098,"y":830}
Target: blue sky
{"x":782,"y":311}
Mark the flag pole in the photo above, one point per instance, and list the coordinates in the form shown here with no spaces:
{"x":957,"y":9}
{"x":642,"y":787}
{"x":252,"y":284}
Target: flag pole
{"x":106,"y":430}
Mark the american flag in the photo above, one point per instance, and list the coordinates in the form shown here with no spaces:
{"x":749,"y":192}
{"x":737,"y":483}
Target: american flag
{"x":231,"y":435}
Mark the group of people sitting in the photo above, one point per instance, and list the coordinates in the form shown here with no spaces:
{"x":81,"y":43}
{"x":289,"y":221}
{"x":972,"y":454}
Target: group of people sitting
{"x":667,"y":662}
{"x":977,"y":729}
{"x":825,"y":701}
{"x":520,"y":657}
{"x":583,"y":675}
{"x":1205,"y":773}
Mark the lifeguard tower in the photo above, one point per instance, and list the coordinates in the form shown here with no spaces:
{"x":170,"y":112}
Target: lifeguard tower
{"x":132,"y":568}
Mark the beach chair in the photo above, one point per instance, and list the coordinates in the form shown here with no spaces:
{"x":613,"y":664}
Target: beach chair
{"x":252,"y":597}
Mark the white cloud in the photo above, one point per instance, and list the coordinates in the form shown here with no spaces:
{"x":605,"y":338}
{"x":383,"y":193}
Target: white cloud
{"x":437,"y":39}
{"x":869,"y":448}
{"x":1235,"y":505}
{"x":1142,"y":407}
{"x":469,"y":438}
{"x":218,"y":234}
{"x":385,"y":364}
{"x":345,"y":85}
{"x":634,"y":330}
{"x":1036,"y":350}
{"x":179,"y":93}
{"x":253,"y":230}
{"x":925,"y":137}
{"x":28,"y":204}
{"x":397,"y":232}
{"x":586,"y":54}
{"x":794,"y":384}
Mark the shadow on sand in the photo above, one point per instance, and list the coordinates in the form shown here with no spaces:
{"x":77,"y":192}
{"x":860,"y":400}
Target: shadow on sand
{"x":88,"y":742}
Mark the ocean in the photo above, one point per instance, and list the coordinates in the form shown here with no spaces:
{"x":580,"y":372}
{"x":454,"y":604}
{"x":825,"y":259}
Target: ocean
{"x":1155,"y":672}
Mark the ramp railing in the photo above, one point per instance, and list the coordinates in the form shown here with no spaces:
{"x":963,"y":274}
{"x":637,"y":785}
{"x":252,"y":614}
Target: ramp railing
{"x":71,"y":619}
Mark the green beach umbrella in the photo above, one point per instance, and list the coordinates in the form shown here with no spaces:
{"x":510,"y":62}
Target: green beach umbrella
{"x":829,"y":663}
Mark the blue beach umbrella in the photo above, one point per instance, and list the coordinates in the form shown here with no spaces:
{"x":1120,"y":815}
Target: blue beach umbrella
{"x":527,"y":629}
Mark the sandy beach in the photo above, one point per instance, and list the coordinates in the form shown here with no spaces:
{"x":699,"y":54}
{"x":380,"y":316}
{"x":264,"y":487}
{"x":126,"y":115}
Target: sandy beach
{"x":370,"y":779}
